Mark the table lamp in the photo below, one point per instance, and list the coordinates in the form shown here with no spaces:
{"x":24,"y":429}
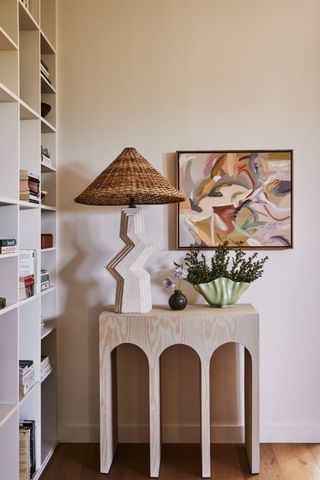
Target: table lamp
{"x":131,"y":180}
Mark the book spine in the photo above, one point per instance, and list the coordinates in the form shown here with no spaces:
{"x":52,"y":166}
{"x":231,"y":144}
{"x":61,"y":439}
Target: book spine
{"x":8,"y":250}
{"x":8,"y":242}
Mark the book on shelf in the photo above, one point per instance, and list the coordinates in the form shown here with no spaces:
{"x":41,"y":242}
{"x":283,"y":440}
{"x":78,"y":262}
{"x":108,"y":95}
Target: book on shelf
{"x":3,"y":303}
{"x":46,"y":367}
{"x":44,"y":68}
{"x":29,"y":185}
{"x":26,"y":287}
{"x":27,"y":174}
{"x":28,"y":260}
{"x":4,"y":250}
{"x":8,"y":245}
{"x":46,"y":161}
{"x":24,"y":453}
{"x":27,"y":448}
{"x":45,"y":280}
{"x":26,"y":376}
{"x":8,"y":242}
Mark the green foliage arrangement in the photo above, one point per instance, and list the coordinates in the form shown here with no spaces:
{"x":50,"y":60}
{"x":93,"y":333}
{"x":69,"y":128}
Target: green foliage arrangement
{"x":241,"y":268}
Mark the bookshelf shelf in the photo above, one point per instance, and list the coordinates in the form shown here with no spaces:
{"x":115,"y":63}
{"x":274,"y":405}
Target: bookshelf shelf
{"x":26,"y":20}
{"x":27,"y":38}
{"x":50,"y":326}
{"x":48,"y":290}
{"x":24,"y":398}
{"x":48,"y":208}
{"x":8,"y":255}
{"x":5,"y":412}
{"x":8,"y":201}
{"x":28,"y":300}
{"x":26,"y":112}
{"x":6,"y":43}
{"x":6,"y":95}
{"x":46,"y":46}
{"x":28,"y":205}
{"x":46,"y":86}
{"x":46,"y":169}
{"x":46,"y":127}
{"x":9,"y":307}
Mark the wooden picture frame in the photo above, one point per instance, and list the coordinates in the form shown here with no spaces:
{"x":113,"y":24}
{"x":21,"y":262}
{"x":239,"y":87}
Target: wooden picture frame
{"x":242,"y":196}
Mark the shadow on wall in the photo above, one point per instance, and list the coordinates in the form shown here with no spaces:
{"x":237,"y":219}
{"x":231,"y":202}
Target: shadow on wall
{"x":82,"y":286}
{"x":170,"y":161}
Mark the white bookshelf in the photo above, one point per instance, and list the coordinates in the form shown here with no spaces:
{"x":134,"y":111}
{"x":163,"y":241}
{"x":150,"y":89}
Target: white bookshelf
{"x":26,"y":37}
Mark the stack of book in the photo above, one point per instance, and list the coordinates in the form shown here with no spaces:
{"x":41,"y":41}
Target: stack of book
{"x":8,"y":245}
{"x":45,"y":157}
{"x":27,"y":449}
{"x":46,"y":368}
{"x":45,"y":279}
{"x":26,"y":376}
{"x":27,"y":273}
{"x":44,"y":70}
{"x":29,"y":186}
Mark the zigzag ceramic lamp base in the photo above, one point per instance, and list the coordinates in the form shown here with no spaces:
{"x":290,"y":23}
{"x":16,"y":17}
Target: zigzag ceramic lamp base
{"x":133,"y":292}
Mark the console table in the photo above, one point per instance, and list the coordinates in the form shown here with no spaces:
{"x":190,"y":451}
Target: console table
{"x":202,"y":328}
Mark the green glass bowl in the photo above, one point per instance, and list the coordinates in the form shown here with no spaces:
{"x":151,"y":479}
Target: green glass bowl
{"x":222,"y":292}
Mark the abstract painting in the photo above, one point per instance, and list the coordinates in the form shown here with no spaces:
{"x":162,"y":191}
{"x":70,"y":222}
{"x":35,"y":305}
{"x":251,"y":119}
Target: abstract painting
{"x":244,"y":197}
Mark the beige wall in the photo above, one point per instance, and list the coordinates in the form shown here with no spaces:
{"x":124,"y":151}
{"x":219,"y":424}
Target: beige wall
{"x":188,"y":74}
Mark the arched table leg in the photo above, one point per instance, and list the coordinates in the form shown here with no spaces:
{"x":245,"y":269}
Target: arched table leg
{"x":154,"y":407}
{"x":108,"y":410}
{"x":252,"y":412}
{"x":205,"y":419}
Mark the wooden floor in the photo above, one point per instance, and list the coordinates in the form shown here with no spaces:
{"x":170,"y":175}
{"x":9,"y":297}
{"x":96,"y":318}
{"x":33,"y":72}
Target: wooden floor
{"x":278,"y":461}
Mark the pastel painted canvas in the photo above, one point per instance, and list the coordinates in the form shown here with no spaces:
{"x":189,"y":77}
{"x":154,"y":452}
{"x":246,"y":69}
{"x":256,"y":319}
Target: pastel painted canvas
{"x":242,"y":197}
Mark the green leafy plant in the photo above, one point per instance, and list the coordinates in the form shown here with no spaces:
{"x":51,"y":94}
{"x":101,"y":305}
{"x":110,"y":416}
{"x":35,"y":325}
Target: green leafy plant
{"x":241,"y":268}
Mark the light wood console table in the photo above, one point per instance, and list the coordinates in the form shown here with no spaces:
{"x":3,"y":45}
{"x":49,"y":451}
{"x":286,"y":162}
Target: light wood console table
{"x":202,"y":328}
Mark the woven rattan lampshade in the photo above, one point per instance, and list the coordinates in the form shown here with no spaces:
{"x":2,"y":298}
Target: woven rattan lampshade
{"x":130,"y":176}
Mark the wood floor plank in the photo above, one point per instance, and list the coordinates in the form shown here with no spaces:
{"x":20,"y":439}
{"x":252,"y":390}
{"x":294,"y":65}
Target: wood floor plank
{"x":297,"y":461}
{"x":315,"y":450}
{"x":270,"y":468}
{"x":225,"y":462}
{"x":183,"y":462}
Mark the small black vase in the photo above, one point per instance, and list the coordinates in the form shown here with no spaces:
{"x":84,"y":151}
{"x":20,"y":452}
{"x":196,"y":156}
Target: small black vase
{"x":177,"y":301}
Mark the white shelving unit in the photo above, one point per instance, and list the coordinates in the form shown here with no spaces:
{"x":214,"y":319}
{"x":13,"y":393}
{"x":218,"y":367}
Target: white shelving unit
{"x":26,"y":37}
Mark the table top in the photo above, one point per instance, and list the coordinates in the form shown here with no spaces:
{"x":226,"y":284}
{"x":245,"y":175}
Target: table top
{"x":198,"y":310}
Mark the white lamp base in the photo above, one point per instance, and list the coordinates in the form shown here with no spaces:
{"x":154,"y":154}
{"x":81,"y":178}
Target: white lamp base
{"x":133,"y":292}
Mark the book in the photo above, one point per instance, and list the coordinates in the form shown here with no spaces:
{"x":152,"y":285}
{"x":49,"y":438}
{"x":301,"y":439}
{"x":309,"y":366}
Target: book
{"x":26,"y":174}
{"x":27,"y":260}
{"x":8,"y":242}
{"x":45,"y":286}
{"x":44,"y":67}
{"x":25,"y":363}
{"x":45,"y":277}
{"x":4,"y":250}
{"x":46,"y":367}
{"x":30,"y":426}
{"x":46,"y":161}
{"x":24,"y":453}
{"x":29,"y":197}
{"x":29,"y":186}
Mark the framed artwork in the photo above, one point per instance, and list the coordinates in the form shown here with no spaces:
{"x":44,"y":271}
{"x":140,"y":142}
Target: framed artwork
{"x":244,"y":197}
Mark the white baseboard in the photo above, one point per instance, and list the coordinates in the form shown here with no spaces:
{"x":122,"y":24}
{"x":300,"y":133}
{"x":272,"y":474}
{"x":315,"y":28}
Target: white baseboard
{"x":290,"y":433}
{"x":270,"y":433}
